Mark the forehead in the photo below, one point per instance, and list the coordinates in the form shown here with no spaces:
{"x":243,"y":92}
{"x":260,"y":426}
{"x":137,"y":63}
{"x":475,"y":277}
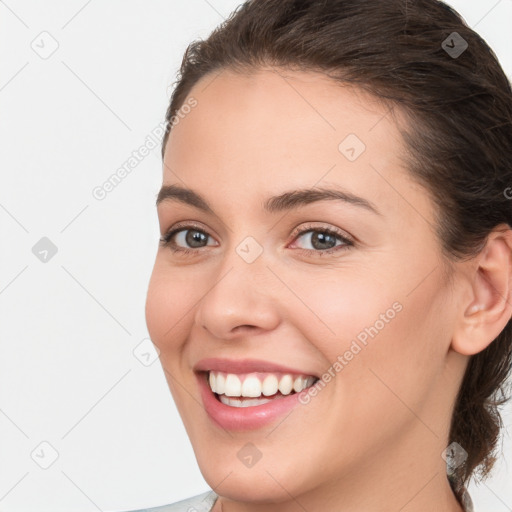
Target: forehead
{"x":261,"y":133}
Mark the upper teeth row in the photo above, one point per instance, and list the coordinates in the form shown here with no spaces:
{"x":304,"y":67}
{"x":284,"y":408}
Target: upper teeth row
{"x":253,"y":385}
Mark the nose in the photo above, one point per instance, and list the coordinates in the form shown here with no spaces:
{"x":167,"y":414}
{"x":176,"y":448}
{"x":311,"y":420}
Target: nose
{"x":242,"y":299}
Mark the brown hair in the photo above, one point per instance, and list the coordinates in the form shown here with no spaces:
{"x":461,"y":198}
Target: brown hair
{"x":459,"y":142}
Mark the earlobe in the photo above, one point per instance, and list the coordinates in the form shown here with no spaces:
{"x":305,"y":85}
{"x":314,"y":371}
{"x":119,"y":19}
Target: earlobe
{"x":485,"y":316}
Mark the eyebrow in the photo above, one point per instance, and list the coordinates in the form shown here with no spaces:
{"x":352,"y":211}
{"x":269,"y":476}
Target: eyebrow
{"x":285,"y":201}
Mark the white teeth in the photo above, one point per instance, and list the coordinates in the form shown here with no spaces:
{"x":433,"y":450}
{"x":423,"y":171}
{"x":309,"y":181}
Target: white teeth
{"x":233,"y":386}
{"x":270,"y":385}
{"x":220,"y":383}
{"x":238,"y":402}
{"x":255,"y":385}
{"x":286,"y":384}
{"x":213,"y":384}
{"x":298,"y":383}
{"x":251,"y":386}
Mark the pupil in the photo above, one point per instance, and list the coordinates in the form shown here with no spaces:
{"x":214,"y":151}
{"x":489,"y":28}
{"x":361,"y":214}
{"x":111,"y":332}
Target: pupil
{"x":321,"y":238}
{"x":196,"y":237}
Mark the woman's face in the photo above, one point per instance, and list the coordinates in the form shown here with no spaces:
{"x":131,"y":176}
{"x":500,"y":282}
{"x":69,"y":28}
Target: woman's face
{"x":371,"y":317}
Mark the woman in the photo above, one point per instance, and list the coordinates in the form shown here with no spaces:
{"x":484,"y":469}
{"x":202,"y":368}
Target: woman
{"x":331,"y":297}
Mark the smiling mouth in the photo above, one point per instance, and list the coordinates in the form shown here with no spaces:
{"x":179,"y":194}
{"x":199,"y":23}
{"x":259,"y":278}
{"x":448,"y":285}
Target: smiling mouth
{"x":255,"y":388}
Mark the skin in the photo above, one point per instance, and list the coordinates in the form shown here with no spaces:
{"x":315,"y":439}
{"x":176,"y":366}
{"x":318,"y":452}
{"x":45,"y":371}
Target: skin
{"x":372,"y":438}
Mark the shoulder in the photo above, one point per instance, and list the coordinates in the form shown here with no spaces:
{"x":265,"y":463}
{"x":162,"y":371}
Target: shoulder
{"x":200,"y":503}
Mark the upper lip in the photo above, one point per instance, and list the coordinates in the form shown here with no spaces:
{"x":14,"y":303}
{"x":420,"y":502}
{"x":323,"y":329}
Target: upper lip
{"x":245,"y":366}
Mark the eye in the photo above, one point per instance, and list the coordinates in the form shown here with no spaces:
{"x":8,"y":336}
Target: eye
{"x":322,"y":239}
{"x":185,"y":234}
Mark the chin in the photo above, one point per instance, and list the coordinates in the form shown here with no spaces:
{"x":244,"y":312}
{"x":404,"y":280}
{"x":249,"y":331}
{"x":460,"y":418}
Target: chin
{"x":263,"y":483}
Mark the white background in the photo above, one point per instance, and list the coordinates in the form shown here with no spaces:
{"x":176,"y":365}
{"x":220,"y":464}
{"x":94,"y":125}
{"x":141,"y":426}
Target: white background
{"x":69,"y":327}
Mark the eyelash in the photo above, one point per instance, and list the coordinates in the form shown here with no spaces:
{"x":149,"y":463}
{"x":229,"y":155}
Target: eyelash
{"x":165,"y":240}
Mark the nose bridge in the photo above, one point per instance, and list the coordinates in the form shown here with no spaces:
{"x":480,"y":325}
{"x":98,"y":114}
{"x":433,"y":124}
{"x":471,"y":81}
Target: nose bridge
{"x":246,"y":254}
{"x":244,"y":271}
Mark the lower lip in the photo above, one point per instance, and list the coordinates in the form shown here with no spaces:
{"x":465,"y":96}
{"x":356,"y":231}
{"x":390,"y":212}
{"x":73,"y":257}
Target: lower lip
{"x":243,"y":418}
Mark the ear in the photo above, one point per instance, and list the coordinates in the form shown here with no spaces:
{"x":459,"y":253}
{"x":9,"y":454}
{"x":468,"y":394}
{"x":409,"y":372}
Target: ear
{"x":489,"y":309}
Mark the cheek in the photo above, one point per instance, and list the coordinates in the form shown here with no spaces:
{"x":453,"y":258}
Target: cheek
{"x":168,"y":300}
{"x":342,"y":307}
{"x":367,"y":327}
{"x":399,"y":365}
